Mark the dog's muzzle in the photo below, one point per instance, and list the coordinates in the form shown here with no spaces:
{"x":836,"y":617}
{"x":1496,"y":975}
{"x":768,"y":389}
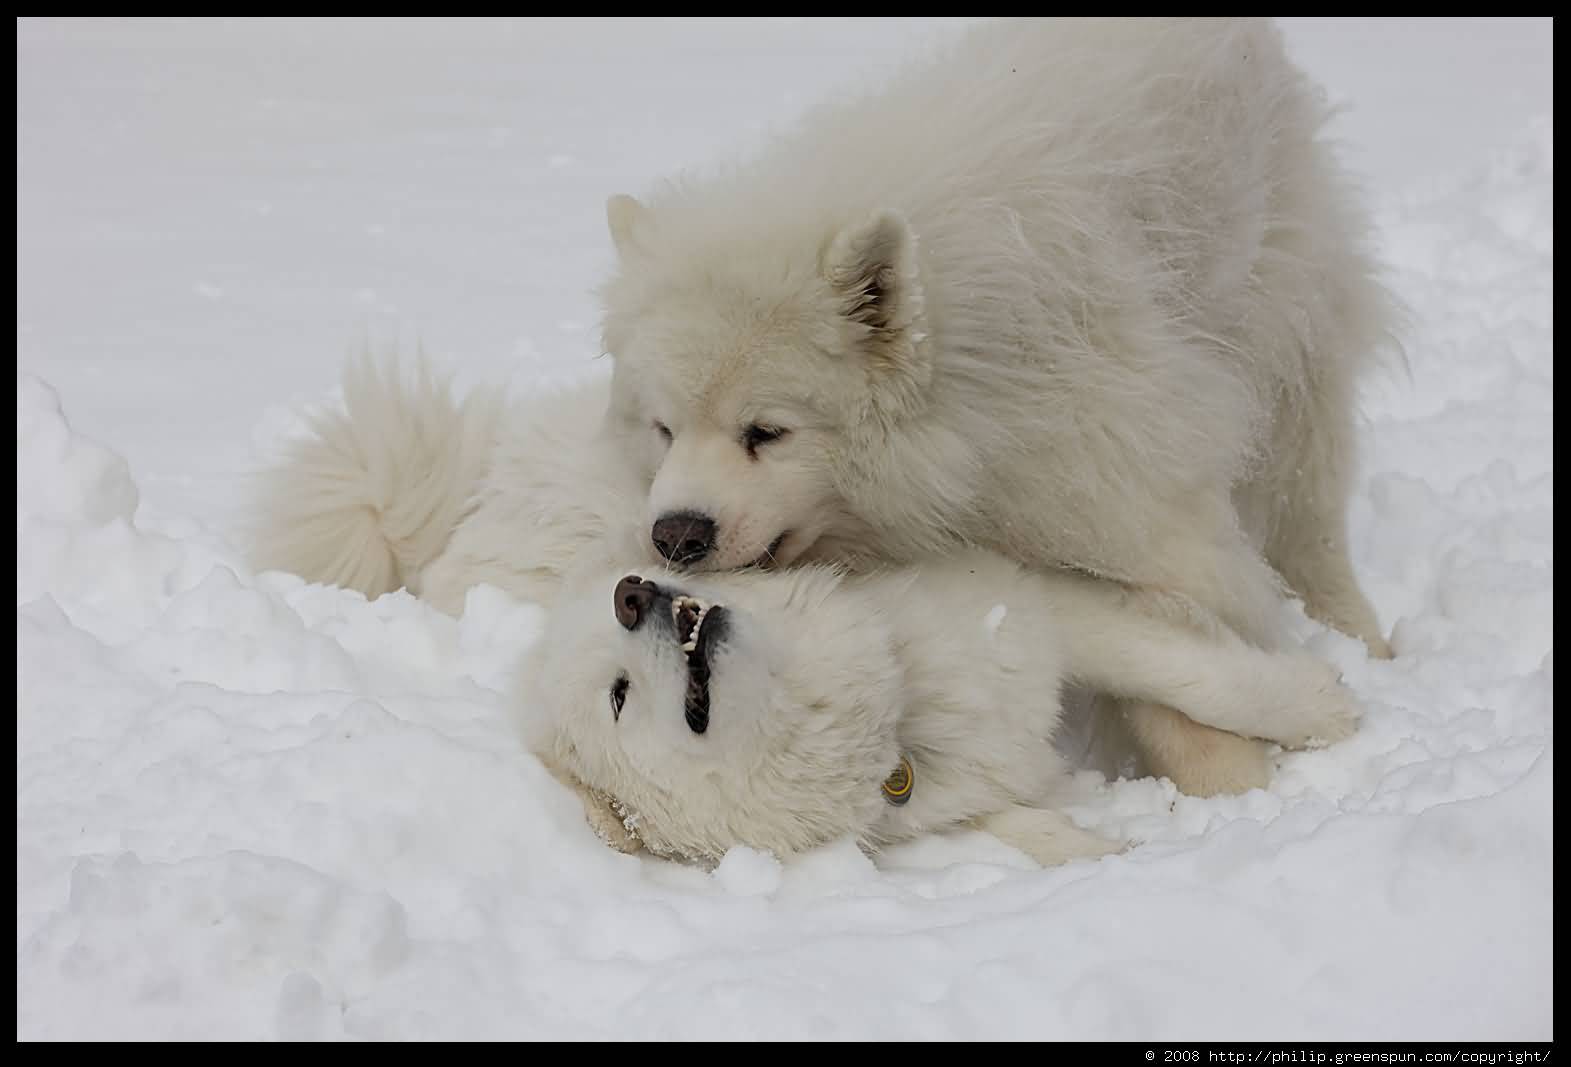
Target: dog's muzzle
{"x":696,"y":625}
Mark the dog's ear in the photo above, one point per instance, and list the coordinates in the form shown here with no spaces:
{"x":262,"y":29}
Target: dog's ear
{"x":872,"y":269}
{"x":623,"y":215}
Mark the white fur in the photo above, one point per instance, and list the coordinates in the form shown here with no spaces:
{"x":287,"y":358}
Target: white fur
{"x":1087,"y":292}
{"x":553,"y":489}
{"x":370,"y":495}
{"x":826,"y":678}
{"x":823,"y":683}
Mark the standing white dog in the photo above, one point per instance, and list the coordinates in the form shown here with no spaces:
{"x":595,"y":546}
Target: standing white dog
{"x":1091,"y":293}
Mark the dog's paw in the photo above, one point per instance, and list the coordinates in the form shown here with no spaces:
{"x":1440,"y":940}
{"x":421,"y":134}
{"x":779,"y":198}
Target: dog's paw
{"x":1048,"y":837}
{"x":1203,"y":761}
{"x":1379,"y":647}
{"x":1317,"y":709}
{"x":1223,"y":765}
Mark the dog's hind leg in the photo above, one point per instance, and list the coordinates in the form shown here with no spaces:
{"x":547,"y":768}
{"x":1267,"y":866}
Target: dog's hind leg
{"x":1046,"y":836}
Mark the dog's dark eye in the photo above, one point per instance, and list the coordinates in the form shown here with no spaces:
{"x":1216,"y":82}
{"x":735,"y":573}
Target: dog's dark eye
{"x":662,"y":429}
{"x":618,"y":697}
{"x":756,"y":435}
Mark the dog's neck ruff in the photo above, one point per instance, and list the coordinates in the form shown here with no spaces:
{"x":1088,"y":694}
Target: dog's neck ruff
{"x":896,"y":788}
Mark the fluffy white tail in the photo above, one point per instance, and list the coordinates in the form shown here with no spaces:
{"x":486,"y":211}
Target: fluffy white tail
{"x":375,"y":491}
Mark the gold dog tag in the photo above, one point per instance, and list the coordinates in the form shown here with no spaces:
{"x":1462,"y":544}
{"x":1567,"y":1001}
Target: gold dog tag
{"x":897,"y":787}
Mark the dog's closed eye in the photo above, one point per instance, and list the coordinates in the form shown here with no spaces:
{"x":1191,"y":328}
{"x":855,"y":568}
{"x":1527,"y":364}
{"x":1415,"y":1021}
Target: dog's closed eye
{"x":618,"y":697}
{"x":755,"y":436}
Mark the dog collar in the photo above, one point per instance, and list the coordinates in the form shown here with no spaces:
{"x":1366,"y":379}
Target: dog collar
{"x":897,"y":787}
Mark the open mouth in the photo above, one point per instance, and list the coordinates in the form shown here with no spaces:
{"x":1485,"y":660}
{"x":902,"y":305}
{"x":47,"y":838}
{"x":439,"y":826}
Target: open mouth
{"x":698,"y":626}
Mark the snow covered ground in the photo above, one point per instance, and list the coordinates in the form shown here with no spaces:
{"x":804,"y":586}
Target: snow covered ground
{"x":252,"y":808}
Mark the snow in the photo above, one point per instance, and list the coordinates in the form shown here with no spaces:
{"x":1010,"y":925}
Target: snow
{"x":252,"y":808}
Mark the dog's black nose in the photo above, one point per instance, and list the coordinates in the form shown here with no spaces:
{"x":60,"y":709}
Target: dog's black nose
{"x":633,"y":598}
{"x":684,"y":536}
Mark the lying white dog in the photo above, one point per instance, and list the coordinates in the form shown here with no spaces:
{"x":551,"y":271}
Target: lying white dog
{"x":777,"y":709}
{"x":783,"y":710}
